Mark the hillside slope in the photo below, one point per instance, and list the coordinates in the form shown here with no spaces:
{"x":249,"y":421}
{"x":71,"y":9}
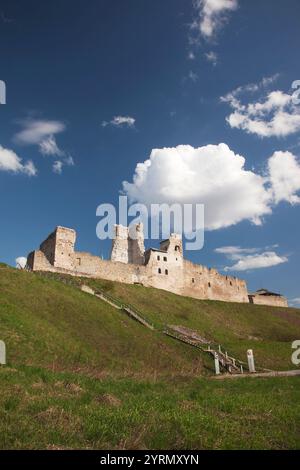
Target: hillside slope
{"x":46,"y":323}
{"x":269,"y":331}
{"x":81,"y":374}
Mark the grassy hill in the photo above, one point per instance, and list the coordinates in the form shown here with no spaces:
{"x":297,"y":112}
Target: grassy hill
{"x":269,"y":331}
{"x":82,"y":374}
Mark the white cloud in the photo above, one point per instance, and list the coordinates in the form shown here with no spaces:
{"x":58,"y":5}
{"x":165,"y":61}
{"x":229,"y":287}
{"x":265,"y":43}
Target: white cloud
{"x":257,"y":261}
{"x":36,"y":131}
{"x":295,"y":301}
{"x":215,"y":176}
{"x":120,"y":121}
{"x":211,"y":15}
{"x":57,"y":167}
{"x":275,"y":115}
{"x":21,"y":262}
{"x":235,"y":252}
{"x":284,"y":174}
{"x":49,"y":146}
{"x":212,"y":57}
{"x":212,"y":175}
{"x":249,"y":88}
{"x":250,"y":258}
{"x":9,"y":161}
{"x":191,"y":55}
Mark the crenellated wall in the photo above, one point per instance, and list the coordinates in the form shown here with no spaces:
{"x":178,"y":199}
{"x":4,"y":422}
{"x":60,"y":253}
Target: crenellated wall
{"x":163,"y":268}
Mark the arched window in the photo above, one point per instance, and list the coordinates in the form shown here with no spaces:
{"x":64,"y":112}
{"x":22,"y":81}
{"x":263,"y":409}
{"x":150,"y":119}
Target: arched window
{"x":177,"y":248}
{"x":209,"y":284}
{"x":159,"y":271}
{"x":166,"y":272}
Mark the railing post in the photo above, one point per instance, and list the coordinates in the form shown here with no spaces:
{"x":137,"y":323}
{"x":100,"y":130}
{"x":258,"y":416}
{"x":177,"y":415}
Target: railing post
{"x":2,"y":353}
{"x":217,"y":364}
{"x":250,"y":358}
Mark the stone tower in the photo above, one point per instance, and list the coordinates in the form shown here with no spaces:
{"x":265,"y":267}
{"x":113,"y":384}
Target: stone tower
{"x":119,"y":248}
{"x":173,"y":245}
{"x":59,"y":247}
{"x":128,"y":244}
{"x":136,"y":247}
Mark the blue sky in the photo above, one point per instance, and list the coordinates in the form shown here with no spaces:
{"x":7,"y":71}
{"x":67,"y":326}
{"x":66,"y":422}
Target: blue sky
{"x":72,"y":67}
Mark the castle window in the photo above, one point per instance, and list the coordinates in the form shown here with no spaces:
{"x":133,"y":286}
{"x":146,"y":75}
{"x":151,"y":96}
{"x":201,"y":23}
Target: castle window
{"x":158,"y":258}
{"x":159,"y":271}
{"x":79,"y":261}
{"x":166,"y":272}
{"x":209,"y":284}
{"x":230,"y":283}
{"x":193,"y":280}
{"x":165,"y":258}
{"x":177,"y":248}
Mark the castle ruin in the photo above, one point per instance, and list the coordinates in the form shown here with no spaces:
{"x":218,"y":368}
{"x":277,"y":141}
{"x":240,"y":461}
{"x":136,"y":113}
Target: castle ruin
{"x":163,"y":268}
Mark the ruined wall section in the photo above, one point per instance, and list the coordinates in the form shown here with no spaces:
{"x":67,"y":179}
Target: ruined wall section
{"x":163,"y":269}
{"x":87,"y":265}
{"x":205,"y":283}
{"x":37,"y":261}
{"x":119,"y":249}
{"x":136,"y":246}
{"x":272,"y":300}
{"x":64,"y":248}
{"x":48,"y":247}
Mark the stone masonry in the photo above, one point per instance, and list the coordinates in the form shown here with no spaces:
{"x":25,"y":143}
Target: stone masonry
{"x":163,"y":268}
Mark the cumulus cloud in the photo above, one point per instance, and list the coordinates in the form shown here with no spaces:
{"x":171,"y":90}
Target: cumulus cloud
{"x":212,"y":175}
{"x":215,"y":176}
{"x":250,"y":258}
{"x":284,"y":175}
{"x":295,"y":301}
{"x":211,"y":15}
{"x":9,"y":161}
{"x":273,"y":115}
{"x":120,"y":121}
{"x":21,"y":262}
{"x":36,"y":131}
{"x":49,"y":146}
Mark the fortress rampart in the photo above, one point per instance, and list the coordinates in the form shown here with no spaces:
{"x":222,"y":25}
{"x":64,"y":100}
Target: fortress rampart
{"x":163,"y":268}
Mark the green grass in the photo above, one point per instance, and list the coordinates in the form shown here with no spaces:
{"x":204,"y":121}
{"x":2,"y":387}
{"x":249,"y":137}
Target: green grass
{"x":81,"y":374}
{"x":269,"y":331}
{"x":47,"y":410}
{"x":47,"y":323}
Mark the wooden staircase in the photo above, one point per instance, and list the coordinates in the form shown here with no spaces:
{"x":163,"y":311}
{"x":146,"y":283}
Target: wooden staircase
{"x":227,"y":363}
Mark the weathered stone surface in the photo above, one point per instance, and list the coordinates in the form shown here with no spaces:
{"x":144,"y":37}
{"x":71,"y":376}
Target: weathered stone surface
{"x":163,"y":268}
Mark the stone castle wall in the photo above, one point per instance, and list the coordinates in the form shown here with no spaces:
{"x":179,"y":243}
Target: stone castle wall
{"x":272,"y":300}
{"x":163,"y":268}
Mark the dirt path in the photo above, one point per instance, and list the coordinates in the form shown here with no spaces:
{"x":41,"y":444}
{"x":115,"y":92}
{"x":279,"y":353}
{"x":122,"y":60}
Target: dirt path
{"x":283,"y":373}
